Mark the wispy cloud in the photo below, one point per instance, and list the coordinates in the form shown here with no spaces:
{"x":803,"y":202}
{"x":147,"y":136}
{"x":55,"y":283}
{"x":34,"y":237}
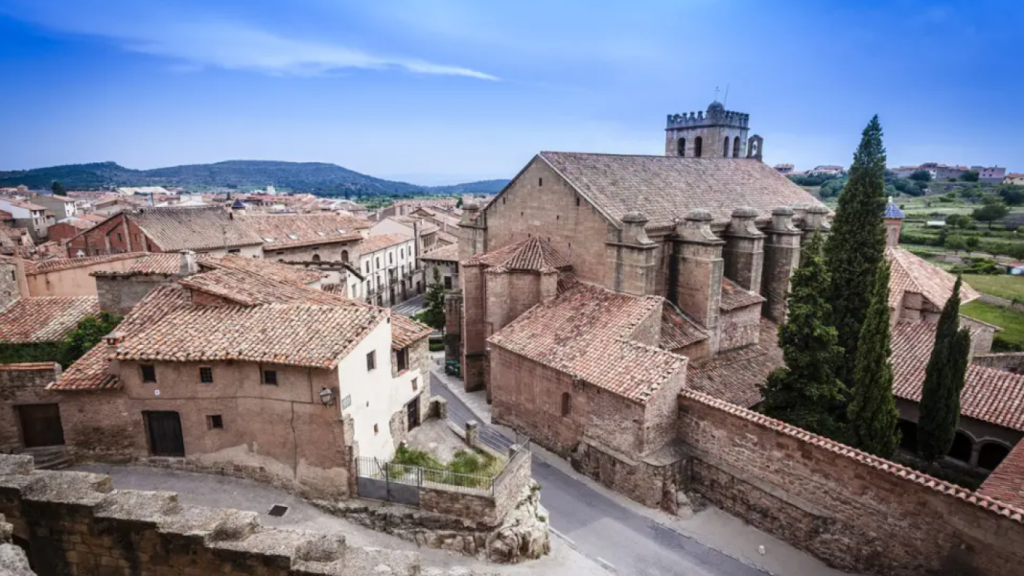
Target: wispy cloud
{"x":237,"y":47}
{"x":200,"y":41}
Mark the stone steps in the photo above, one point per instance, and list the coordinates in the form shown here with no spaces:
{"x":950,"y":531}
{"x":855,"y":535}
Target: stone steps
{"x":49,"y":457}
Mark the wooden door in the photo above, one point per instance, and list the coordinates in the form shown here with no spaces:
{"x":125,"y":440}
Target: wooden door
{"x":413,"y":412}
{"x":40,"y":425}
{"x":165,"y":437}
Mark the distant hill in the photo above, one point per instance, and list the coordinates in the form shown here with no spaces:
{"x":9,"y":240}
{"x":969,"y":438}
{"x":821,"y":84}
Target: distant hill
{"x":315,"y":177}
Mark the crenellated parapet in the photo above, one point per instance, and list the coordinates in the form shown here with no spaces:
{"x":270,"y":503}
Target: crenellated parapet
{"x":713,"y":117}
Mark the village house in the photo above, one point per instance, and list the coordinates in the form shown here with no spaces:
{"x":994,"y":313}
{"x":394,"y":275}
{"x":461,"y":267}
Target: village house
{"x":424,"y":232}
{"x":61,"y":206}
{"x":242,"y":368}
{"x":388,"y":265}
{"x":205,"y":229}
{"x":1014,"y":179}
{"x":445,"y":261}
{"x":28,"y":215}
{"x":35,"y":327}
{"x":297,"y":238}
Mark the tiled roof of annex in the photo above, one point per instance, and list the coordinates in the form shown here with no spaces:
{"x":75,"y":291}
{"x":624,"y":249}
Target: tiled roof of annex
{"x":677,"y":329}
{"x":532,"y":254}
{"x":376,"y":243}
{"x":149,"y":263}
{"x":193,"y":228}
{"x":587,"y":332}
{"x":297,"y":230}
{"x":735,"y":297}
{"x":263,"y":267}
{"x":448,"y":253}
{"x":1006,"y":482}
{"x":980,"y":499}
{"x":44,"y":318}
{"x":291,"y":334}
{"x":666,"y":188}
{"x":90,"y":372}
{"x":911,"y":273}
{"x":58,"y":264}
{"x":735,"y":376}
{"x":990,"y":395}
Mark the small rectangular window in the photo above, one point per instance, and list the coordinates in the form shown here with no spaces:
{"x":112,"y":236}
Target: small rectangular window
{"x":577,"y":201}
{"x":375,"y":430}
{"x":148,"y":373}
{"x":118,"y":236}
{"x":235,"y":251}
{"x":402,"y":357}
{"x":215,"y":422}
{"x":447,"y":282}
{"x":270,"y":377}
{"x":540,"y":181}
{"x":371,"y":360}
{"x":206,"y":375}
{"x":415,"y":384}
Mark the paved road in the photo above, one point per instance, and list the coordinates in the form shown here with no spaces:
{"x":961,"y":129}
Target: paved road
{"x":601,"y":528}
{"x":410,"y":306}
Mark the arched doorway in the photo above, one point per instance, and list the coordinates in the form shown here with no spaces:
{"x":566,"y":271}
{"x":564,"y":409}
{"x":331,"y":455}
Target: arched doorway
{"x":681,"y":147}
{"x":962,"y":447}
{"x":736,"y":147}
{"x":698,"y":143}
{"x":908,"y":435}
{"x":725,"y":148}
{"x":991,"y":455}
{"x":344,"y":256}
{"x":316,"y":257}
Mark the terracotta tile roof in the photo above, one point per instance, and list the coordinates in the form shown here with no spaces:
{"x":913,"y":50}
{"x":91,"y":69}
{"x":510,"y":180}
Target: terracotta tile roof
{"x":911,"y":273}
{"x":567,"y":281}
{"x":990,"y":395}
{"x":375,"y":243}
{"x":6,"y":215}
{"x":666,"y":188}
{"x":94,"y":218}
{"x":448,"y":253}
{"x":90,"y":372}
{"x":57,"y":264}
{"x":262,"y":267}
{"x":290,"y":334}
{"x":734,"y":297}
{"x":677,"y":329}
{"x":1009,"y":511}
{"x":250,"y":289}
{"x":737,"y":375}
{"x":24,"y":204}
{"x":295,"y":230}
{"x":150,"y":263}
{"x":447,"y":237}
{"x":531,"y":254}
{"x":44,"y":318}
{"x":1006,"y":482}
{"x":28,"y":366}
{"x":193,"y":228}
{"x":588,"y":332}
{"x":405,"y":331}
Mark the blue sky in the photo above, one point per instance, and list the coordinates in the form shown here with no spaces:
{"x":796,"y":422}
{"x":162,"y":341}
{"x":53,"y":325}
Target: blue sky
{"x":440,"y":91}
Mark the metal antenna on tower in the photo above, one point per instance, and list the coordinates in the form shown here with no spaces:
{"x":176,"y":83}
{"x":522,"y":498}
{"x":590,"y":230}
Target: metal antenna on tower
{"x":726,"y":95}
{"x":716,"y":93}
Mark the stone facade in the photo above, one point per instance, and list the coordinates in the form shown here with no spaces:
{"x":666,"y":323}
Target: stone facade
{"x":10,"y":287}
{"x":1006,"y":361}
{"x":76,"y":523}
{"x":118,"y":294}
{"x":854,"y":511}
{"x":96,"y":424}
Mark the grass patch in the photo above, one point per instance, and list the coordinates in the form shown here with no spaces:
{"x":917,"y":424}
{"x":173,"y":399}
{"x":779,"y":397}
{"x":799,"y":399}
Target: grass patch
{"x":1002,"y":285}
{"x":477,"y":466}
{"x":435,"y":344}
{"x":1011,"y":321}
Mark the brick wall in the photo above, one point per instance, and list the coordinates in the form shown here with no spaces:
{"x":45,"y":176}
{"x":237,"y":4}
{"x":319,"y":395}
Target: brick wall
{"x":103,"y":239}
{"x":854,"y":511}
{"x":75,"y":523}
{"x":1007,"y":361}
{"x":118,"y":294}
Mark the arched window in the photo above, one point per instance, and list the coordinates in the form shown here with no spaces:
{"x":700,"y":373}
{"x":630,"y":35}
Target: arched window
{"x":344,"y":256}
{"x":962,"y":447}
{"x":566,"y":404}
{"x":725,"y":148}
{"x":991,"y":455}
{"x":736,"y":147}
{"x":316,"y":257}
{"x":698,"y":143}
{"x":681,"y":147}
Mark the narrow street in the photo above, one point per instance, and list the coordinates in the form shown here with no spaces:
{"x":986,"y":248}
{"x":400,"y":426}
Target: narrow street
{"x":599,"y":527}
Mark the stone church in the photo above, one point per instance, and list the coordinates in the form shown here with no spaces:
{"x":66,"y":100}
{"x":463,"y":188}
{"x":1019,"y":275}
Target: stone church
{"x":593,"y":283}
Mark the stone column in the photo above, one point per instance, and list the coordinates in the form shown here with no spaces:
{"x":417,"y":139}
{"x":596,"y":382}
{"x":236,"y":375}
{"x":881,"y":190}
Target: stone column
{"x":472,"y":434}
{"x":633,"y":258}
{"x":781,"y":258}
{"x":815,"y":220}
{"x":472,"y":281}
{"x":744,"y":250}
{"x":698,"y":269}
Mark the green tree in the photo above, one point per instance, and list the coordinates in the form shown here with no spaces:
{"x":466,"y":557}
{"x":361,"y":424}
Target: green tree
{"x":921,"y":176}
{"x":458,"y":203}
{"x":433,"y":315}
{"x":971,"y":243}
{"x":57,"y":188}
{"x":1012,"y":195}
{"x":939,"y":410}
{"x":969,"y":176}
{"x":872,"y":412}
{"x":89,"y":332}
{"x":990,"y":212}
{"x":856,"y":245}
{"x":805,"y":392}
{"x":832,"y":188}
{"x":955,"y":242}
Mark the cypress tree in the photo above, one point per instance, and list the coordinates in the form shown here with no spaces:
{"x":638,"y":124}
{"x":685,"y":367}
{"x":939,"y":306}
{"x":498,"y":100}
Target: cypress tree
{"x":856,"y":245}
{"x":943,"y":381}
{"x":805,"y":392}
{"x":872,"y":413}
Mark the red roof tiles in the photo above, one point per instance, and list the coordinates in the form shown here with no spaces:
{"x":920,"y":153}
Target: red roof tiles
{"x":588,"y":332}
{"x":531,"y":254}
{"x":735,"y":297}
{"x":57,"y":264}
{"x":1006,"y":482}
{"x":375,"y":243}
{"x":737,"y":375}
{"x":989,"y":395}
{"x":44,"y":318}
{"x":448,"y":253}
{"x":911,"y":273}
{"x":677,"y":329}
{"x":295,"y":230}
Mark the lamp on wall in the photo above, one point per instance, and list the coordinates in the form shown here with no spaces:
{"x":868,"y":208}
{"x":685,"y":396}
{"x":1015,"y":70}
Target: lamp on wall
{"x":326,"y":397}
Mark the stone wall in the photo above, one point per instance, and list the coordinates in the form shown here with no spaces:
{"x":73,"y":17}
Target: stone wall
{"x":854,"y":511}
{"x":76,"y":523}
{"x":118,"y":294}
{"x":740,"y":327}
{"x":96,"y":423}
{"x":9,"y":291}
{"x":651,"y":483}
{"x":1006,"y":361}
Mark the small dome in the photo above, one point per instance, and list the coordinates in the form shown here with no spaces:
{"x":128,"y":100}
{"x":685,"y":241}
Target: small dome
{"x":745,"y":212}
{"x":699,"y":215}
{"x":717,"y":106}
{"x":634,"y":217}
{"x":892,"y":210}
{"x":471,"y":205}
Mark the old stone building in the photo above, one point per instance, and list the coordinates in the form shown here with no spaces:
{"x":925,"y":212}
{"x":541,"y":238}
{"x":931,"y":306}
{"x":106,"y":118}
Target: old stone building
{"x":388,"y":270}
{"x":717,"y":133}
{"x":318,"y":237}
{"x":446,"y":261}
